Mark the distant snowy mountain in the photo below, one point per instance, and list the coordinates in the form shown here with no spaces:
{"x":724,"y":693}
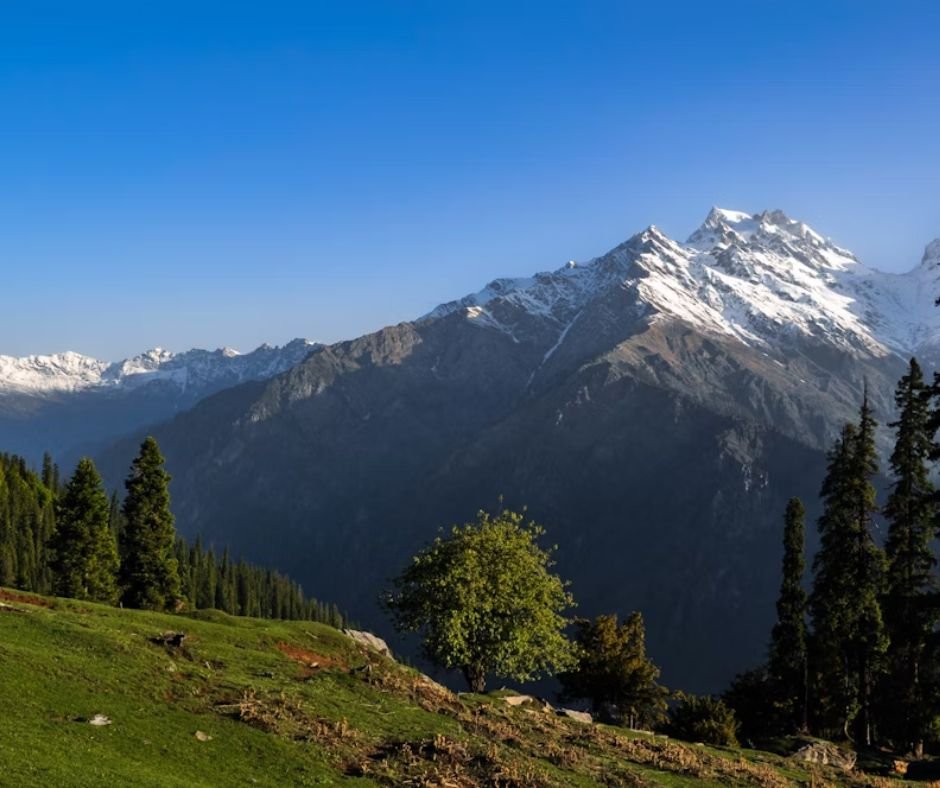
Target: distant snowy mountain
{"x":194,"y":369}
{"x":69,"y":404}
{"x":763,"y":279}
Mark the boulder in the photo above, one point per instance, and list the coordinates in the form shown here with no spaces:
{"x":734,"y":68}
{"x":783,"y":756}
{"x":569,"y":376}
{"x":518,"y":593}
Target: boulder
{"x":370,"y":641}
{"x":826,"y":754}
{"x":170,"y":639}
{"x":580,"y":716}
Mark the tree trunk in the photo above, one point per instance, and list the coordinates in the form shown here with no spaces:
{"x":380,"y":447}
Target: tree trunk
{"x":476,"y":678}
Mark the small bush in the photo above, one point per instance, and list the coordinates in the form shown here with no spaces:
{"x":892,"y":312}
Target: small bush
{"x":702,"y":718}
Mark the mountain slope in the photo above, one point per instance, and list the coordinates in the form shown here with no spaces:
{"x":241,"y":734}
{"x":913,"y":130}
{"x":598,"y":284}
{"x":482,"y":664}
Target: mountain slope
{"x":655,"y":408}
{"x":276,"y":703}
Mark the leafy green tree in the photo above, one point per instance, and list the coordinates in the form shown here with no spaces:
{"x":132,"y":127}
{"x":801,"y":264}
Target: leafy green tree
{"x":85,"y":559}
{"x":849,"y":638}
{"x":149,"y":573}
{"x":787,"y":663}
{"x":614,"y":673}
{"x":910,"y":615}
{"x":702,"y":718}
{"x":486,"y":602}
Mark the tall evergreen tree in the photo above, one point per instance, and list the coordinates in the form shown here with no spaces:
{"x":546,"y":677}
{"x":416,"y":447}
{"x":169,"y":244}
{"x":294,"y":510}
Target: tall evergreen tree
{"x":870,"y":637}
{"x":50,"y":473}
{"x":910,"y":615}
{"x":787,"y":664}
{"x":85,"y":559}
{"x":149,"y":572}
{"x":849,"y":638}
{"x":116,"y":516}
{"x":830,"y":601}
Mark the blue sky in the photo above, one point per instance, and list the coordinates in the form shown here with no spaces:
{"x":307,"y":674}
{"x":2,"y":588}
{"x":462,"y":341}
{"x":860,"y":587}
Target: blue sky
{"x":207,"y":174}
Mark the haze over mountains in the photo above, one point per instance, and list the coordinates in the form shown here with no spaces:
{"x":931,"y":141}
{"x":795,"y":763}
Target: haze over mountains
{"x":68,"y":403}
{"x":654,"y":407}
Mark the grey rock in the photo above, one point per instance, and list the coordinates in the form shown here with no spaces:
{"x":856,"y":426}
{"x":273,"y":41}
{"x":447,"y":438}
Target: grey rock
{"x":579,"y":716}
{"x":826,"y":754}
{"x":370,"y":641}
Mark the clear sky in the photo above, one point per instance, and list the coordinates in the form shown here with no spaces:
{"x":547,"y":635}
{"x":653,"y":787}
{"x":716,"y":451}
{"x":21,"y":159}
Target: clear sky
{"x":201,"y":174}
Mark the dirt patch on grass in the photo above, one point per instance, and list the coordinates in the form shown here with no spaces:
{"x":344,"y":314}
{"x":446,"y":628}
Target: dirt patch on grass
{"x":444,"y":762}
{"x":310,"y":661}
{"x":26,"y":599}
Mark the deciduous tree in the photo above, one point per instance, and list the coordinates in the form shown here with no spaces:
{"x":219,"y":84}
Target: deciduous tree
{"x":485,"y":601}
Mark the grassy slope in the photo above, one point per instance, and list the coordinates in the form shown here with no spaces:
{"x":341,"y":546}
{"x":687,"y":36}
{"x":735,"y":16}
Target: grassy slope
{"x":291,"y":704}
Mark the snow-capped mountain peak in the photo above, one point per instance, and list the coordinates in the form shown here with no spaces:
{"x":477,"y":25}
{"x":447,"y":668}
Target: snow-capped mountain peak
{"x":771,"y":230}
{"x":194,"y":369}
{"x":931,"y":258}
{"x":763,"y":278}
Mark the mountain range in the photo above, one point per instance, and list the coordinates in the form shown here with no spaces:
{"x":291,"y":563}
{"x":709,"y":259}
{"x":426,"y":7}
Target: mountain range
{"x":654,"y":407}
{"x":68,"y":403}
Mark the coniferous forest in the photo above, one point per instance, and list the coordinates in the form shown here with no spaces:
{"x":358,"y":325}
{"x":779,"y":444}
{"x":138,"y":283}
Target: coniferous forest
{"x":858,"y":657}
{"x":69,"y":538}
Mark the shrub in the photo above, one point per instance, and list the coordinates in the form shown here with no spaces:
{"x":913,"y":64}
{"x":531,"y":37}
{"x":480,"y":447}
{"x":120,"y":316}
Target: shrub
{"x":702,"y":718}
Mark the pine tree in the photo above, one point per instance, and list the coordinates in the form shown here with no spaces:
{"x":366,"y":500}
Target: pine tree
{"x":50,"y":473}
{"x":206,"y":582}
{"x":116,"y":517}
{"x":787,"y":664}
{"x":149,"y":573}
{"x":832,"y":591}
{"x":85,"y":559}
{"x":849,"y":638}
{"x":909,"y":614}
{"x":870,"y":637}
{"x":614,"y":672}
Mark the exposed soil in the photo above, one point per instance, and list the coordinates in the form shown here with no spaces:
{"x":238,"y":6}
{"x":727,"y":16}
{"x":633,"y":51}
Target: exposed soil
{"x":309,"y":661}
{"x":26,"y":599}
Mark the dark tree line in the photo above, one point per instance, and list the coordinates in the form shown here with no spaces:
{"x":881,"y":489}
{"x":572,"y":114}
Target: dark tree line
{"x":242,"y":589}
{"x":70,"y":539}
{"x":859,"y":658}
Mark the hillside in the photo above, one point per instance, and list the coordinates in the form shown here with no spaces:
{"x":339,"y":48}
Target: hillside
{"x":243,"y":701}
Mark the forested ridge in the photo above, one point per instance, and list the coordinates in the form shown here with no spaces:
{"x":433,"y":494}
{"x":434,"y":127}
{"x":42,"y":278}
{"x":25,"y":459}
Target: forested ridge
{"x":47,"y":525}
